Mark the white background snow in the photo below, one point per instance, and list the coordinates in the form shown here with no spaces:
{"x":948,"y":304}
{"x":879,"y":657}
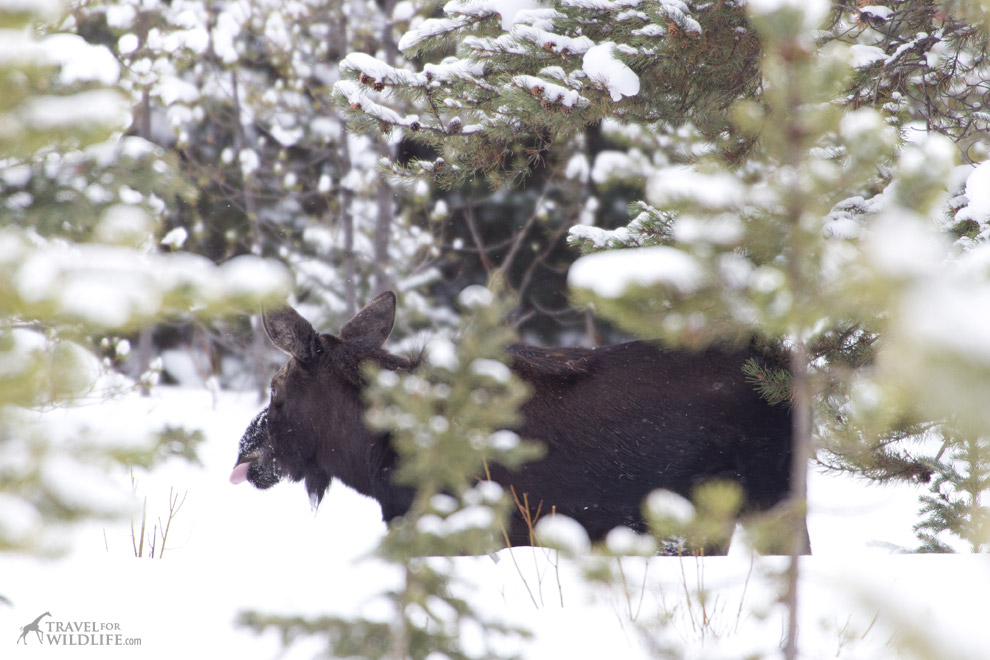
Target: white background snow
{"x":234,"y":547}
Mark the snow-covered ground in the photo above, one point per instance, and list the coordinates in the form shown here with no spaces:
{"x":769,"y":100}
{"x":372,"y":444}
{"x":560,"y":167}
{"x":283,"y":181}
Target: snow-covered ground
{"x":232,"y":548}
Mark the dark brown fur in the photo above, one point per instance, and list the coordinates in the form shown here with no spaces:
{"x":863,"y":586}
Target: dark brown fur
{"x":617,"y":423}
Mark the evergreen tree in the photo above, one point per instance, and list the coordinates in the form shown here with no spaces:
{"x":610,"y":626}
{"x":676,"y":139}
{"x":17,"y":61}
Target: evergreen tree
{"x":522,"y":101}
{"x":238,"y":92}
{"x":956,"y":507}
{"x":527,"y":77}
{"x":922,"y":63}
{"x":80,"y":206}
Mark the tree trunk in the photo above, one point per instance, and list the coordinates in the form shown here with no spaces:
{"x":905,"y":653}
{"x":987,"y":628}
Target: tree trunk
{"x":258,"y":343}
{"x":798,"y":505}
{"x":346,"y":194}
{"x":383,"y":223}
{"x":146,"y":345}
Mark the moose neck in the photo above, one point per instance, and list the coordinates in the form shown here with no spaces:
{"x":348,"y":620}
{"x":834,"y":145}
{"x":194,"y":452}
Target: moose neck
{"x":358,"y":457}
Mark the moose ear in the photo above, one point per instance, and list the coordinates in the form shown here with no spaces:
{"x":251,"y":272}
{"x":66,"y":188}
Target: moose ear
{"x":290,"y":332}
{"x":374,"y":321}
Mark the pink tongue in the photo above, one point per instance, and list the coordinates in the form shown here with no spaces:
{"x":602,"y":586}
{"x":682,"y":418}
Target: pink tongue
{"x":240,"y":472}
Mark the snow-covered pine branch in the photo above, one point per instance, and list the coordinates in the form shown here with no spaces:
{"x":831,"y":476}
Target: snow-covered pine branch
{"x":523,"y":70}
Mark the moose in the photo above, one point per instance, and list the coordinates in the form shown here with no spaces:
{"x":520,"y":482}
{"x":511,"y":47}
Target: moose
{"x":617,"y":422}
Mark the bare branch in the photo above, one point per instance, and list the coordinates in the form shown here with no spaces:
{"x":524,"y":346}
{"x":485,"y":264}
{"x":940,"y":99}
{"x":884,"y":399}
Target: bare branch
{"x":476,"y":237}
{"x":174,"y":504}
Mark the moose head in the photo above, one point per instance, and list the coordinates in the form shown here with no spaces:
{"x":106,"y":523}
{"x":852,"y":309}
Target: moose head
{"x":312,"y":429}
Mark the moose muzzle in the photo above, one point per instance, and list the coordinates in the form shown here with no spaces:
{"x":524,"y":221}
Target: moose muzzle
{"x":255,"y":462}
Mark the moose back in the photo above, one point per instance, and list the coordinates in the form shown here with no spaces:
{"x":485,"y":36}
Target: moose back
{"x":617,"y":422}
